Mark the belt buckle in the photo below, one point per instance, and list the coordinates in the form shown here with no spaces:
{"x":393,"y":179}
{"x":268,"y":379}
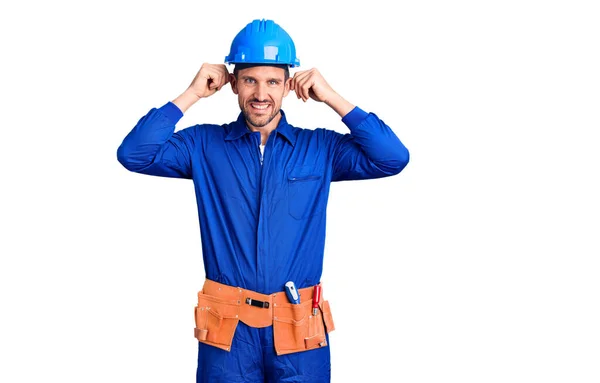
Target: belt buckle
{"x":257,"y":303}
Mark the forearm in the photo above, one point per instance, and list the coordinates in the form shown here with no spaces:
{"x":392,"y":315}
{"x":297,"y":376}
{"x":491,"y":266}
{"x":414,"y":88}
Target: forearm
{"x":340,"y":105}
{"x":209,"y":79}
{"x":185,"y":100}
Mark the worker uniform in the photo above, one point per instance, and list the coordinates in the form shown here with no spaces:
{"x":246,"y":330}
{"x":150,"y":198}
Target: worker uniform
{"x":262,"y":215}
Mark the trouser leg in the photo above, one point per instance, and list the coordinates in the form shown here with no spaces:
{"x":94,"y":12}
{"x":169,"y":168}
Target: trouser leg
{"x":244,"y":363}
{"x":307,"y":366}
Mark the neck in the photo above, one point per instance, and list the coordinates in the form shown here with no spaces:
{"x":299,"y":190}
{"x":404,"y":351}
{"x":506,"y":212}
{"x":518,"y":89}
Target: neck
{"x":266,"y":130}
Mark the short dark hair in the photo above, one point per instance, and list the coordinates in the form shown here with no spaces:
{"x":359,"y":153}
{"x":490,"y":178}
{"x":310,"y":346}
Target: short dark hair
{"x":238,"y":67}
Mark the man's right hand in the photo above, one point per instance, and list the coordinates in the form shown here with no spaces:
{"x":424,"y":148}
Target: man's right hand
{"x":209,"y":79}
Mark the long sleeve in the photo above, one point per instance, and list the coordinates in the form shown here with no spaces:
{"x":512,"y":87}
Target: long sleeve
{"x":153,"y":148}
{"x":370,"y":150}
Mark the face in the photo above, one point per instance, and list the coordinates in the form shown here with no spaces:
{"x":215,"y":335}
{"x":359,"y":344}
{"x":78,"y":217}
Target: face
{"x":260,"y":91}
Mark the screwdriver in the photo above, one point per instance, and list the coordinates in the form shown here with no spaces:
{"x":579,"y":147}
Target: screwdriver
{"x":316,"y":299}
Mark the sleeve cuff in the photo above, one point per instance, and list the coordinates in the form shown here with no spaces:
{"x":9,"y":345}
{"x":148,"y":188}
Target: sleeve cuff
{"x":355,"y":117}
{"x":172,"y":112}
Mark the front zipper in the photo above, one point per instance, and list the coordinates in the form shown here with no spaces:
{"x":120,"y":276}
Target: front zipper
{"x":260,"y":245}
{"x":260,"y":156}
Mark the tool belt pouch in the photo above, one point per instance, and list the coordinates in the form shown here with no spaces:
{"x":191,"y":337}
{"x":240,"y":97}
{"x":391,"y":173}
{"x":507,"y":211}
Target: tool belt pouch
{"x":295,"y":329}
{"x":216,"y":320}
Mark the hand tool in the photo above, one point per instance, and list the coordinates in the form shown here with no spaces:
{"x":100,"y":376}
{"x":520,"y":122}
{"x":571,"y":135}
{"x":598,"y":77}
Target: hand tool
{"x":292,"y":293}
{"x":316,"y":299}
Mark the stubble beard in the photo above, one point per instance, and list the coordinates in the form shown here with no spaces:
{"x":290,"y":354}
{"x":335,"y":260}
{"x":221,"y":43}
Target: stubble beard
{"x":259,"y":122}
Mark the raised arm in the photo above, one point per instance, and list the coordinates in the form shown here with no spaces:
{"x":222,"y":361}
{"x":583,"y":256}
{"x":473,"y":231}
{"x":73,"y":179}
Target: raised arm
{"x":152,"y":147}
{"x":370,"y":150}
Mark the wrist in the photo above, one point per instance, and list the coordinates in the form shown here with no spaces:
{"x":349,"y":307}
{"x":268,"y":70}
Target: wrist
{"x":186,"y":99}
{"x":339,"y":104}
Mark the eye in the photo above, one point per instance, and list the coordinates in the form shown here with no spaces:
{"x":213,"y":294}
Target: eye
{"x":249,"y":80}
{"x":273,"y":82}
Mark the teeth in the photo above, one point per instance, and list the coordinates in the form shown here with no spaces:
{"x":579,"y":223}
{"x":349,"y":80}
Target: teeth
{"x":257,"y":106}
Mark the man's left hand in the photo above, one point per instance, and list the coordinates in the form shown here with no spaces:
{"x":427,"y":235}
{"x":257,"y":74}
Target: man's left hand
{"x":311,"y":84}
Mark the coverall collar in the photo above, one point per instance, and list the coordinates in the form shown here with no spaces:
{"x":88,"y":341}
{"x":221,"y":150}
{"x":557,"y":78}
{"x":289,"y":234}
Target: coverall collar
{"x":239,"y":129}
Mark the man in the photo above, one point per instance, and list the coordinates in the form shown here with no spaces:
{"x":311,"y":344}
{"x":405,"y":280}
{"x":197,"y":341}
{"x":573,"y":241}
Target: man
{"x":262,"y":187}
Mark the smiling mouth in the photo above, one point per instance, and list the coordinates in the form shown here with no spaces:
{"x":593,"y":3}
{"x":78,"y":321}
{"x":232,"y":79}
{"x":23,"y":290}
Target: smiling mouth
{"x":259,"y":106}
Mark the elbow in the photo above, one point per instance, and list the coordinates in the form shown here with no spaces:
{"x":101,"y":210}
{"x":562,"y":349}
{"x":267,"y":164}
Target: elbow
{"x":399,"y":162}
{"x":123,"y":157}
{"x":126,"y":157}
{"x":403,"y":160}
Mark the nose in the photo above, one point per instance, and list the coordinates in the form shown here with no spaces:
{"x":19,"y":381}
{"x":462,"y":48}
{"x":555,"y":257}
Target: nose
{"x":261,"y":92}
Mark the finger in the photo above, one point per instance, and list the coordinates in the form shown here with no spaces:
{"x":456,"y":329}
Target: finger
{"x":304,"y":83}
{"x":217,"y":79}
{"x":216,"y":83}
{"x":224,"y":77}
{"x":209,"y":77}
{"x":212,"y":84}
{"x":303,"y":88}
{"x":298,"y":84}
{"x":224,"y":74}
{"x":298,"y":76}
{"x":294,"y":87}
{"x":306,"y":88}
{"x":300,"y":73}
{"x":292,"y":81}
{"x":299,"y":90}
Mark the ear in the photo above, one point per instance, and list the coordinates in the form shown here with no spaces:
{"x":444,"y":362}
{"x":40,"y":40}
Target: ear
{"x":286,"y":87}
{"x":233,"y":82}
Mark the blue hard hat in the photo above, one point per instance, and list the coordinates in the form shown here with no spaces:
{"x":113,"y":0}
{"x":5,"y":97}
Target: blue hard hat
{"x":263,"y":42}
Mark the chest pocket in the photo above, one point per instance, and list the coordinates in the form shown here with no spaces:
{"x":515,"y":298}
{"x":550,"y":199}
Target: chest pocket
{"x":305,"y":192}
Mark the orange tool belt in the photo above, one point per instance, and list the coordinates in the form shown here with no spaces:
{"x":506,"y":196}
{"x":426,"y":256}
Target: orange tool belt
{"x":221,"y":307}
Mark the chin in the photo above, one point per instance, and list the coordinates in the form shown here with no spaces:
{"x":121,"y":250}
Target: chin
{"x":260,"y":121}
{"x":263,"y":122}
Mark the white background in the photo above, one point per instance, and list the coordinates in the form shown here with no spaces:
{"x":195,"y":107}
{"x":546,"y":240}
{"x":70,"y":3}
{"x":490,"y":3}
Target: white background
{"x":478,"y":263}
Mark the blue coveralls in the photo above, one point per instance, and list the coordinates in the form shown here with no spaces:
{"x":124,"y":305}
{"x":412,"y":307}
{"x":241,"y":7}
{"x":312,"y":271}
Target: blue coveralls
{"x":262,"y":218}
